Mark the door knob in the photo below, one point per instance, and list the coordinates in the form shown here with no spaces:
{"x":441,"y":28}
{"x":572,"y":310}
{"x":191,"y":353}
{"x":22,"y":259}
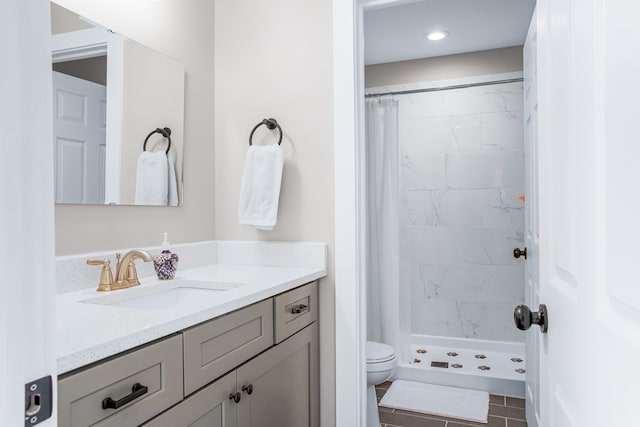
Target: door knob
{"x":517,"y":253}
{"x":524,"y":318}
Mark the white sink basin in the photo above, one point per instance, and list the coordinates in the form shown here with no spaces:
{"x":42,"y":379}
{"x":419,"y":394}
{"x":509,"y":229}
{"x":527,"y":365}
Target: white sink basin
{"x":164,"y":295}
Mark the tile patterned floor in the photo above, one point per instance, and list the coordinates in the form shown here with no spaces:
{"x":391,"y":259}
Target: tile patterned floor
{"x":503,"y":412}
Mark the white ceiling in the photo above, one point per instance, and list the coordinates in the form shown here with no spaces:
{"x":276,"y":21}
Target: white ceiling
{"x":398,"y":33}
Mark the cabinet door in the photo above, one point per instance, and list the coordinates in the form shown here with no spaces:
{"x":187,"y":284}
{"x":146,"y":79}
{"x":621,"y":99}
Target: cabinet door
{"x":284,"y":384}
{"x":210,"y":407}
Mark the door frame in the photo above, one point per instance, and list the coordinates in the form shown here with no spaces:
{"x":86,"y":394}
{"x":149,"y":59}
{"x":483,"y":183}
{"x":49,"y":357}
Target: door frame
{"x":349,"y":146}
{"x":350,"y":302}
{"x":350,"y":211}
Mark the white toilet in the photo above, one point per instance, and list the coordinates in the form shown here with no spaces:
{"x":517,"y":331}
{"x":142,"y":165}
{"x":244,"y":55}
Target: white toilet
{"x":381,"y":364}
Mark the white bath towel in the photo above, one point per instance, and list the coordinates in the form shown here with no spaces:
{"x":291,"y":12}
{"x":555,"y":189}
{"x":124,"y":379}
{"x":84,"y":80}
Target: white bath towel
{"x":173,"y":183}
{"x":152,"y":179}
{"x":260,"y":189}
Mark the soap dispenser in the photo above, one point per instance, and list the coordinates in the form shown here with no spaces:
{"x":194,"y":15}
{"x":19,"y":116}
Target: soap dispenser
{"x":166,"y":261}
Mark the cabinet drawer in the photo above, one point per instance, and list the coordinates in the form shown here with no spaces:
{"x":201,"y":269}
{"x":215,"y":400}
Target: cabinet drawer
{"x":216,"y":347}
{"x":295,"y":309}
{"x":158,"y":367}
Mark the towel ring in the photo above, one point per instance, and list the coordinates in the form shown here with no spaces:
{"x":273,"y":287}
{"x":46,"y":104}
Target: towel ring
{"x":166,"y":132}
{"x":271,"y":124}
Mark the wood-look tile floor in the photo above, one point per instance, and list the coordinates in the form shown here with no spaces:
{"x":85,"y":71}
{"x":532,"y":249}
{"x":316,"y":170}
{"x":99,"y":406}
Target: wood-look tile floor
{"x":503,"y":412}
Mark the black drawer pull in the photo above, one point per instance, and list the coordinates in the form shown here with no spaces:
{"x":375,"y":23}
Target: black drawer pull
{"x":297,"y":309}
{"x":235,"y":397}
{"x":248,"y":388}
{"x":136,"y":391}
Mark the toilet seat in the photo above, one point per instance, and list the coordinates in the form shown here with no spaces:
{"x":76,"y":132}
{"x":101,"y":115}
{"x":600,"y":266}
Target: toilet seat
{"x":379,"y":353}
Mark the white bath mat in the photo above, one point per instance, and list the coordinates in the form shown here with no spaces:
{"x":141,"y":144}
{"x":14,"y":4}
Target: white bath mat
{"x":470,"y":405}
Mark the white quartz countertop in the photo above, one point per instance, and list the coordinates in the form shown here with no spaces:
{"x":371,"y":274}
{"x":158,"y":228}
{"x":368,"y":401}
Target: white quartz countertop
{"x":88,"y":332}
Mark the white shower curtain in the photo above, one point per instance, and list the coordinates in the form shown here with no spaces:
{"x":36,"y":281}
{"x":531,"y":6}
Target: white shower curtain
{"x":388,"y":303}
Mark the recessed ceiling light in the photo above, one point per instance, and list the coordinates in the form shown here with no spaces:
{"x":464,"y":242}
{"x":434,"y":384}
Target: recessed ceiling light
{"x":437,"y":35}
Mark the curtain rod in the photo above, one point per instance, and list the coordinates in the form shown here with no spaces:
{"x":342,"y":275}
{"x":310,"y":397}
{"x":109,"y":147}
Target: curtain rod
{"x":436,"y":89}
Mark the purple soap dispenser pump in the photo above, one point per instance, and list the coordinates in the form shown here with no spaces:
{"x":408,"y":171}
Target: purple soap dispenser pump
{"x":166,"y":261}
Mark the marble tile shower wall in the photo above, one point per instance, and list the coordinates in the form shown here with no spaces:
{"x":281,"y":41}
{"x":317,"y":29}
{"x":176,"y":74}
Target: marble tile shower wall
{"x":461,"y":181}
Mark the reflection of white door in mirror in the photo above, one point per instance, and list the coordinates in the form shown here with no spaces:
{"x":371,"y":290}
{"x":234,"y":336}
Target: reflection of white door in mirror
{"x":85,"y":45}
{"x":79,"y":133}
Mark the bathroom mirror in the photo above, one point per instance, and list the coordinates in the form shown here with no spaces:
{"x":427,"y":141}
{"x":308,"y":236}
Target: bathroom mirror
{"x":112,"y":97}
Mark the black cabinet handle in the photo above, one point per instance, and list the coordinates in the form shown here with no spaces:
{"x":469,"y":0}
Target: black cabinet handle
{"x":235,"y":397}
{"x":136,"y":391}
{"x":297,"y":309}
{"x":248,"y":388}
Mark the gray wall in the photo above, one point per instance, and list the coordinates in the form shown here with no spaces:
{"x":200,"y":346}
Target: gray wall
{"x":445,"y":67}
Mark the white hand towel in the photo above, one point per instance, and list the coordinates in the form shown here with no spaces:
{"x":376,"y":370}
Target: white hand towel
{"x":173,"y":184}
{"x":152,"y":179}
{"x":260,"y":189}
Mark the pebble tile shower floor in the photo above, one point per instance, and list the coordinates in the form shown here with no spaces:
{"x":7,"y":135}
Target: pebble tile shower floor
{"x":475,"y":362}
{"x":503,"y":412}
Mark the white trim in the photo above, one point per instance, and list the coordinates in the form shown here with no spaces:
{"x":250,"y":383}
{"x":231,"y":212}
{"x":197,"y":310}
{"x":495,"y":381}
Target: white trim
{"x":79,"y":44}
{"x":349,"y":290}
{"x":77,"y":53}
{"x":115,"y":108}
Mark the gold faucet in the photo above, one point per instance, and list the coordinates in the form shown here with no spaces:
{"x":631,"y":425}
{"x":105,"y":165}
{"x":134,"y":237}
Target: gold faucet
{"x":126,"y":274}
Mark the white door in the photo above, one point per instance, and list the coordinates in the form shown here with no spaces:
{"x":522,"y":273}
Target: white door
{"x":27,"y":288}
{"x":589,"y":149}
{"x":79,"y":111}
{"x":532,"y":235}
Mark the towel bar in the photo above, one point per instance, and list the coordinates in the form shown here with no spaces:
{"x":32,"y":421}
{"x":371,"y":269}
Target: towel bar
{"x":166,"y":132}
{"x":271,"y":124}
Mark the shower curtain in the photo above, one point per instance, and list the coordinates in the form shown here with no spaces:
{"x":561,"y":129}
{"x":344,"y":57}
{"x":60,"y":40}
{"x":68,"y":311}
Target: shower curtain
{"x":388,"y":293}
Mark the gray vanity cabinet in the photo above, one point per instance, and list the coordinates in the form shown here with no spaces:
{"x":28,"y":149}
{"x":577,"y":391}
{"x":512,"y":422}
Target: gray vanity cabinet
{"x":254,"y":367}
{"x":283,"y":383}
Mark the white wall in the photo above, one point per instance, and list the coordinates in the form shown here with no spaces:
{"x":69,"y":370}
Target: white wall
{"x":183,"y":31}
{"x":274,"y":59}
{"x":445,"y":67}
{"x":462,"y":176}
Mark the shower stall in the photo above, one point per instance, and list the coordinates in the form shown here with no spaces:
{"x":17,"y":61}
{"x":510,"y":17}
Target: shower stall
{"x":445,"y":189}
